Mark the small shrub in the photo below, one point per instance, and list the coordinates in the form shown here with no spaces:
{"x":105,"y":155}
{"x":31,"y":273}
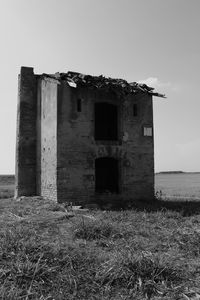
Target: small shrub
{"x":95,"y":230}
{"x":56,"y":207}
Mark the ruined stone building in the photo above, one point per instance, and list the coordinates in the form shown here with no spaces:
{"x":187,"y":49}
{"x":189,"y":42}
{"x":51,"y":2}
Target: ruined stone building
{"x":82,"y":137}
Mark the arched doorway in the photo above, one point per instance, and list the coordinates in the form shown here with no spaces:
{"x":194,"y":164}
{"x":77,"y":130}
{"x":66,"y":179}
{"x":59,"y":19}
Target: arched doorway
{"x":106,"y":175}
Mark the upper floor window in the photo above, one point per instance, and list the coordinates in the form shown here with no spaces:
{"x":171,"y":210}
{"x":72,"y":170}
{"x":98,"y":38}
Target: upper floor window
{"x":135,"y":109}
{"x":79,"y":105}
{"x":106,"y":121}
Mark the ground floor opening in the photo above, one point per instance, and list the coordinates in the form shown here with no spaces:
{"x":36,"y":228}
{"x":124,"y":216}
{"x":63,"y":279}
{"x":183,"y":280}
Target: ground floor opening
{"x":106,"y":175}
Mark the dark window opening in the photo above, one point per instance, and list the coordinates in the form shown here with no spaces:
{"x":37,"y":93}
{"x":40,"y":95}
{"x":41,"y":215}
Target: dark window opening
{"x":135,"y":110}
{"x":79,"y":105}
{"x":106,"y":121}
{"x":106,"y":175}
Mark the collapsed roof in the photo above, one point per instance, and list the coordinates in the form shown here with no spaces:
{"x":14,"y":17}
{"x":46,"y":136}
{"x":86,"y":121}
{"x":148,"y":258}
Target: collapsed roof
{"x":119,"y":86}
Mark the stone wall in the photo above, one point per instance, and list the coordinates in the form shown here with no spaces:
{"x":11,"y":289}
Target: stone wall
{"x":48,"y":136}
{"x":75,"y":140}
{"x":25,"y":179}
{"x":138,"y":177}
{"x":56,"y":148}
{"x":77,"y":148}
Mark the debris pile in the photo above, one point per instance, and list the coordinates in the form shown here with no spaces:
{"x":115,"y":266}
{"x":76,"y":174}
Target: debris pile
{"x":119,"y":86}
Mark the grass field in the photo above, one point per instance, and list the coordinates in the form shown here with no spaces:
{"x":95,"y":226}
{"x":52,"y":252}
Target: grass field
{"x":184,"y":185}
{"x":6,"y":186}
{"x":46,"y":253}
{"x":151,"y":251}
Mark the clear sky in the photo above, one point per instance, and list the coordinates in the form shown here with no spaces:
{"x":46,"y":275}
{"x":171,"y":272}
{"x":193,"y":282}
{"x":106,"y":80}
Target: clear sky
{"x":155,"y":41}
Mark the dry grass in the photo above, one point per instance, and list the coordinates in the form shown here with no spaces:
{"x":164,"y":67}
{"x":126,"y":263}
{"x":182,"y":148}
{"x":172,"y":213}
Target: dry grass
{"x":135,"y":254}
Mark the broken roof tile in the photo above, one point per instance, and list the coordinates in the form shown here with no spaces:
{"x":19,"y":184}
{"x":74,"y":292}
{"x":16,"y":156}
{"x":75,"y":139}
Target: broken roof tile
{"x":120,"y":86}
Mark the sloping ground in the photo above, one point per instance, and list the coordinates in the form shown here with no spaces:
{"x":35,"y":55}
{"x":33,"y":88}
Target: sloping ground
{"x":47,"y":252}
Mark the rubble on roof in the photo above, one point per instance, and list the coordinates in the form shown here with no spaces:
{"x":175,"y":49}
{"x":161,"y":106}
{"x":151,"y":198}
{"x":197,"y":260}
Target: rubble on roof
{"x":119,"y":86}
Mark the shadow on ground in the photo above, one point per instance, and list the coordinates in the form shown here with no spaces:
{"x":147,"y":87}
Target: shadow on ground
{"x":185,"y":207}
{"x":35,"y":204}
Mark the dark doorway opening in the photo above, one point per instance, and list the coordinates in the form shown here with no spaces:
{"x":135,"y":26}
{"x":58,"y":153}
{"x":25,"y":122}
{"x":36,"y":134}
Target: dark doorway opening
{"x":106,"y":175}
{"x":106,"y":121}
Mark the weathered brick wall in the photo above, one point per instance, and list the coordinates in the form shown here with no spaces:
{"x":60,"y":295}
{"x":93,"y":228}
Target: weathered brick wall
{"x":48,"y":136}
{"x":138,"y":171}
{"x":38,"y":137}
{"x":56,"y":149}
{"x":75,"y":139}
{"x":25,"y":179}
{"x":77,"y":149}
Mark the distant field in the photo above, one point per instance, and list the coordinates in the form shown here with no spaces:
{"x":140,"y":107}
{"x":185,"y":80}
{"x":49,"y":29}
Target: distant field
{"x":184,"y":185}
{"x":7,"y":186}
